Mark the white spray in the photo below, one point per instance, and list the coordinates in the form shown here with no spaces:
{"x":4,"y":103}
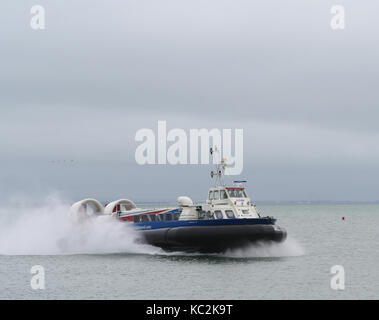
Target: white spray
{"x":289,"y":248}
{"x":48,"y":230}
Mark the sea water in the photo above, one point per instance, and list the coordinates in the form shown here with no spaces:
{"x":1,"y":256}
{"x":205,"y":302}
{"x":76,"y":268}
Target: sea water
{"x":101,"y":260}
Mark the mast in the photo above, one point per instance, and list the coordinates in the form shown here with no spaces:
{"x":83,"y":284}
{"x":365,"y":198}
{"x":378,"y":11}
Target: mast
{"x":219,"y":173}
{"x":220,"y":168}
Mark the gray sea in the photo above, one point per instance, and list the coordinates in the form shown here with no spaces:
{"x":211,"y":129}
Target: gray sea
{"x":102,"y":261}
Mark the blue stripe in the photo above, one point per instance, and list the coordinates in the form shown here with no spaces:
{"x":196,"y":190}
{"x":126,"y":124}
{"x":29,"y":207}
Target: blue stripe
{"x":211,"y":222}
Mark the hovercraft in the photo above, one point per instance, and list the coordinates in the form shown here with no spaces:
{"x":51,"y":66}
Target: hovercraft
{"x":226,"y":220}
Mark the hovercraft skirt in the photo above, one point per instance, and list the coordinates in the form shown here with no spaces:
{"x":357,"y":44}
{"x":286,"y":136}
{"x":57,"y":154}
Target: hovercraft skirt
{"x":216,"y":238}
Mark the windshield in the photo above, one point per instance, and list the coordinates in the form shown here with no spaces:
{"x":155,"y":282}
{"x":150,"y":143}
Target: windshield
{"x":236,"y":193}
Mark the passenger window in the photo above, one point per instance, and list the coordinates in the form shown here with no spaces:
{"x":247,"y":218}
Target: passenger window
{"x":215,"y":195}
{"x":168,"y":217}
{"x":229,"y":214}
{"x":152,"y":217}
{"x":136,"y":218}
{"x":218,"y":214}
{"x":210,"y":195}
{"x":209,"y":215}
{"x":176,"y":215}
{"x":223,"y":195}
{"x":160,"y":217}
{"x":201,"y":214}
{"x":144,"y":218}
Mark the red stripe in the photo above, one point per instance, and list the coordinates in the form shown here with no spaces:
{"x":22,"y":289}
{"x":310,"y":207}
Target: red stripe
{"x":129,"y":218}
{"x":142,"y":213}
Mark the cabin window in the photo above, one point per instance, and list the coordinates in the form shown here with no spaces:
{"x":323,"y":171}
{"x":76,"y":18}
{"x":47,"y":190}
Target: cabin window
{"x":210,"y":195}
{"x":176,"y":215}
{"x":152,"y":217}
{"x":223,"y":195}
{"x":229,"y":214}
{"x":160,"y":217}
{"x":236,"y":193}
{"x":136,"y":218}
{"x":144,"y":218}
{"x":209,"y":215}
{"x":245,"y":211}
{"x":218,"y":214}
{"x":168,"y":217}
{"x":201,"y":214}
{"x":215,"y":195}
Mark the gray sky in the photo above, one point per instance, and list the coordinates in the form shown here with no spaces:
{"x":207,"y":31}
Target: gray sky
{"x":305,"y":95}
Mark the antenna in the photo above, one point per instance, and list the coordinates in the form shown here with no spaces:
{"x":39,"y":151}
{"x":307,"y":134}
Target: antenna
{"x":221,"y":165}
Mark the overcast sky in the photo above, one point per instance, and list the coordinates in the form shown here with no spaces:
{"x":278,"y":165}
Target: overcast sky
{"x":306,"y":96}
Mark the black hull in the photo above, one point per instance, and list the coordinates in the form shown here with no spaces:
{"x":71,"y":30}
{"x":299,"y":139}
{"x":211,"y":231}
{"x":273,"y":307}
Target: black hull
{"x":212,"y":239}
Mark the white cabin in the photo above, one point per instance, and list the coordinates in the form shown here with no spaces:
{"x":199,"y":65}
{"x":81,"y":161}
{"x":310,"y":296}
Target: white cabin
{"x":222,"y":203}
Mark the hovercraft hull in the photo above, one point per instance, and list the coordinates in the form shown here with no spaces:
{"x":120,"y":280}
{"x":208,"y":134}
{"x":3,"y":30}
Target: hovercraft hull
{"x":208,"y":238}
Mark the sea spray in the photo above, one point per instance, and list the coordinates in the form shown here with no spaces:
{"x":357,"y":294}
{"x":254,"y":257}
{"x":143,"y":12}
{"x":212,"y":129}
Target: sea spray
{"x":48,"y":230}
{"x":289,"y":248}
